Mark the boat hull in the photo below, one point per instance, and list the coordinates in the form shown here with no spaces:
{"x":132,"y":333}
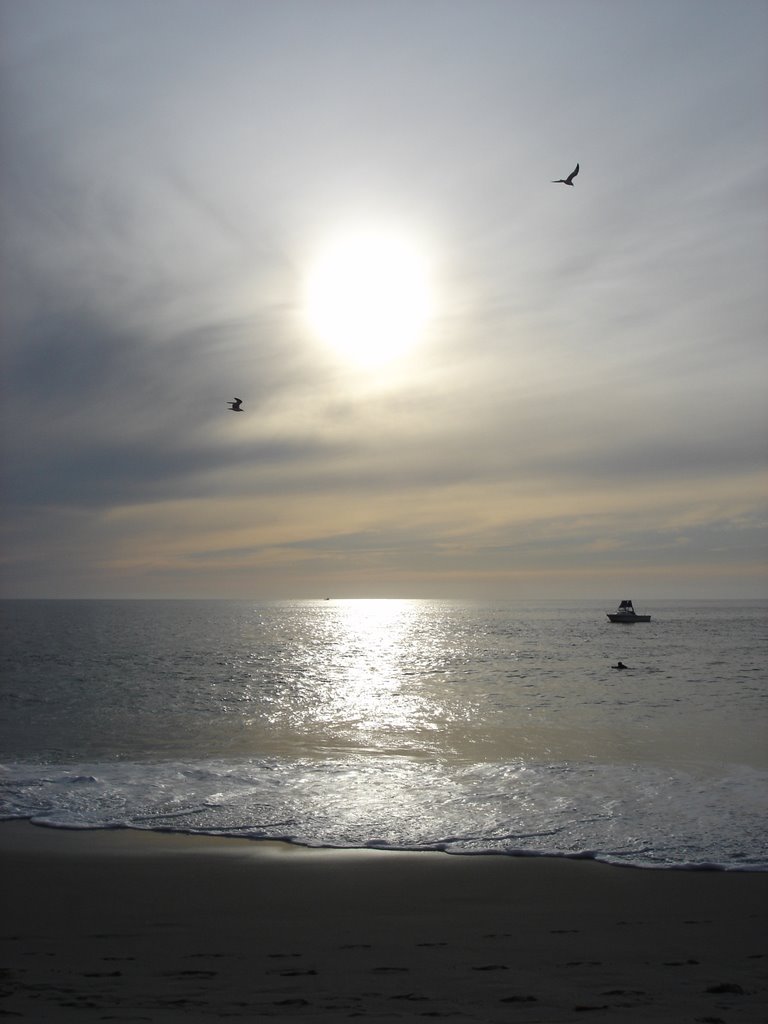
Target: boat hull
{"x":624,"y":617}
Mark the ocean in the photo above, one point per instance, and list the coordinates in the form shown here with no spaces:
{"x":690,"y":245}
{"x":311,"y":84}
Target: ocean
{"x":470,"y":728}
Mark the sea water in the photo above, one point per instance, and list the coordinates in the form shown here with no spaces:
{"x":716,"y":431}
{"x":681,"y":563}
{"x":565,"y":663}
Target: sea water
{"x":420,"y":725}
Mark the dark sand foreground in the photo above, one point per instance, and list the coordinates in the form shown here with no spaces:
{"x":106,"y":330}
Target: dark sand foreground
{"x":122,"y":926}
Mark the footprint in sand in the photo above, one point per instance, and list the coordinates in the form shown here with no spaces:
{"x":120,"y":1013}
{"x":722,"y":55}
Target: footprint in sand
{"x":189,"y":974}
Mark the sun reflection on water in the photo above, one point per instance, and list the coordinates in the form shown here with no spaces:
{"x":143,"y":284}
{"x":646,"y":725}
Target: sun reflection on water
{"x":371,"y":641}
{"x":364,"y":679}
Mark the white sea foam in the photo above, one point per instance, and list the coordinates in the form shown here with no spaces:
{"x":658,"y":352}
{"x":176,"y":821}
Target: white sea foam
{"x":623,"y":814}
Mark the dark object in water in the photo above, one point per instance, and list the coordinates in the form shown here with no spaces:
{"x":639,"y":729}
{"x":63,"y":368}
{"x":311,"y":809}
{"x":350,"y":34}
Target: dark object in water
{"x":626,"y":613}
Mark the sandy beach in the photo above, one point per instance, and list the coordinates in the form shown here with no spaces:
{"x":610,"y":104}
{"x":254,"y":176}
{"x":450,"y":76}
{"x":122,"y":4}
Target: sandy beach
{"x":129,"y":926}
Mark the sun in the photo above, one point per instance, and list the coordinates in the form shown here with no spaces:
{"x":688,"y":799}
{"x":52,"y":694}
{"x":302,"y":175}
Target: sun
{"x":368,"y":296}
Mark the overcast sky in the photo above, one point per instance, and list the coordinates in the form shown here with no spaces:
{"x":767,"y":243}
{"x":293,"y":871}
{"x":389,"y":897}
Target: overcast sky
{"x":583,"y":414}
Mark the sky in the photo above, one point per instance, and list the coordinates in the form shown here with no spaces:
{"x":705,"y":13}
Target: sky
{"x":502,"y":387}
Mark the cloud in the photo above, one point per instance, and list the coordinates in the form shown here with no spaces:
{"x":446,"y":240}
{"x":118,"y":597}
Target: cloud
{"x":590,"y":392}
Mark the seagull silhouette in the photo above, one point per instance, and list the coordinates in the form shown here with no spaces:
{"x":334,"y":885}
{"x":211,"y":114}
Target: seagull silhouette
{"x":569,"y":179}
{"x":236,"y":406}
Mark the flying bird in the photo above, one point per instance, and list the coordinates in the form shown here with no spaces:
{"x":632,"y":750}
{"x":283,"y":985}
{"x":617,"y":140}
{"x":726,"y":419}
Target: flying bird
{"x":236,"y":405}
{"x":569,"y":179}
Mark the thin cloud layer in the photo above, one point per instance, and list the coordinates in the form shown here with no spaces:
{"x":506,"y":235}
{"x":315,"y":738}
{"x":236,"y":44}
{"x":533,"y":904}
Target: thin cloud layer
{"x":586,"y":408}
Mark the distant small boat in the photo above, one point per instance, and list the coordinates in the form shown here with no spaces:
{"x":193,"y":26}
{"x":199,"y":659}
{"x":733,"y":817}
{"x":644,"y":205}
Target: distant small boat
{"x":626,"y":613}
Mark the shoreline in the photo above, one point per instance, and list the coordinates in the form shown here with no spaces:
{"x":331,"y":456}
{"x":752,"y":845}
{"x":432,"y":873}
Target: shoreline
{"x":23,"y":834}
{"x":135,"y":925}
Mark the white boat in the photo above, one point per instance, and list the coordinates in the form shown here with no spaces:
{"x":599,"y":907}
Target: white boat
{"x":626,"y":613}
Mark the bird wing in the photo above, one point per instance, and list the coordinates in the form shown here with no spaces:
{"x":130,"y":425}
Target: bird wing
{"x":573,"y":174}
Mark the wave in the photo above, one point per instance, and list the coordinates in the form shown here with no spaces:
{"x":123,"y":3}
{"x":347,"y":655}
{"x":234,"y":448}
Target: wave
{"x":635,"y":815}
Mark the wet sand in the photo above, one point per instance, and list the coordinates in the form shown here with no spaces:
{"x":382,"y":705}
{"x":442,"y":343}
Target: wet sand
{"x":126,"y":926}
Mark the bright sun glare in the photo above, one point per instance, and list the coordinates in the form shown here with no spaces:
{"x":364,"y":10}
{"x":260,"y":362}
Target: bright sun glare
{"x":368,"y":296}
